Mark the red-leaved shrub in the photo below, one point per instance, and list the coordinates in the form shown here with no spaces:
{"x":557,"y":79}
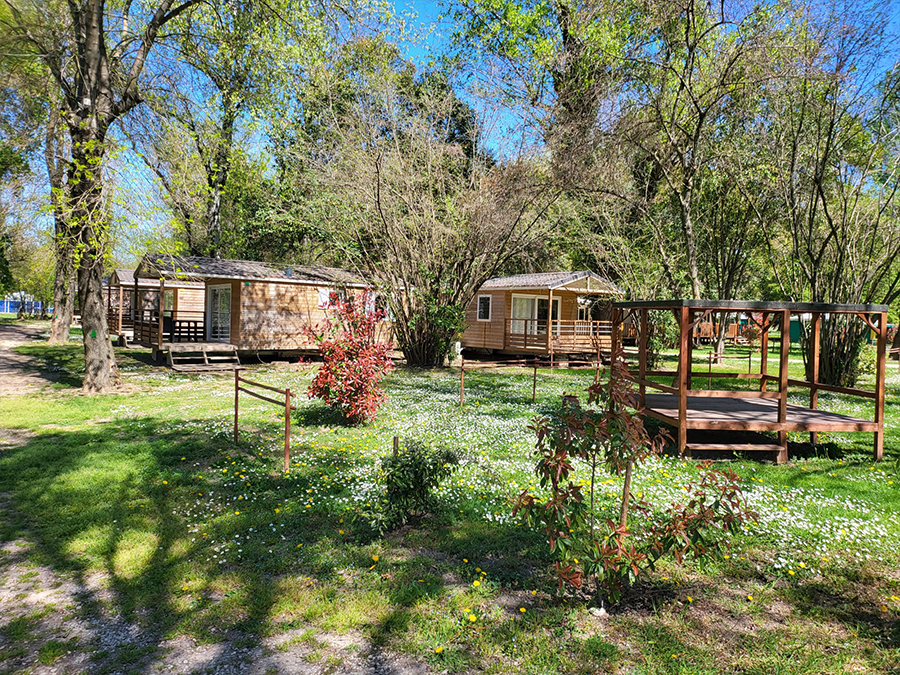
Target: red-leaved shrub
{"x":353,"y":361}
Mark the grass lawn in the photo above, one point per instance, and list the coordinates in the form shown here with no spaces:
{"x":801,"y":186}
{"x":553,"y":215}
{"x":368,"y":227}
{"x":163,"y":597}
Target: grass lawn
{"x":146,"y":494}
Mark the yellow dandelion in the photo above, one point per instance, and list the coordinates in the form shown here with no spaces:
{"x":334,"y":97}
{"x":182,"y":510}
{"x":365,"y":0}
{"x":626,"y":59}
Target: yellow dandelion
{"x":476,"y":583}
{"x":690,"y":599}
{"x":750,"y":597}
{"x":522,"y":609}
{"x":438,"y":650}
{"x":237,"y":513}
{"x":473,"y":618}
{"x":165,"y":482}
{"x":375,"y":558}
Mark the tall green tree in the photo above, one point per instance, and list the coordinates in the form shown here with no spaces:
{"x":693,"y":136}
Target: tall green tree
{"x":429,"y":217}
{"x":96,"y":54}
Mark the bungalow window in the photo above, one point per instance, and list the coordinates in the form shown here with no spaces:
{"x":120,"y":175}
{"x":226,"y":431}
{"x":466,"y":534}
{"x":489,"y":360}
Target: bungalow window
{"x":325,"y":297}
{"x":484,"y":307}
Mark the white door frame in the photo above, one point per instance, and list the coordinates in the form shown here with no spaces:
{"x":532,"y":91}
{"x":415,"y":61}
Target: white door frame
{"x":209,"y":313}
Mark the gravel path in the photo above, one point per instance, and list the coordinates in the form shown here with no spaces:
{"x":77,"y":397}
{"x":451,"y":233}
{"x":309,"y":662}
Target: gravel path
{"x":18,"y":373}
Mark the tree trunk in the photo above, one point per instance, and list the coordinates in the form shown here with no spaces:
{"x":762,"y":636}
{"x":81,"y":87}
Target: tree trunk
{"x":896,"y":345}
{"x":217,"y":176}
{"x":56,"y":156}
{"x":721,"y":332}
{"x":89,"y":229}
{"x":63,"y":292}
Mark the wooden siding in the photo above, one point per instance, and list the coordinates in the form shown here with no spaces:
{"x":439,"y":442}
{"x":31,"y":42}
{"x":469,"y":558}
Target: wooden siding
{"x":486,"y":334}
{"x":191,"y":299}
{"x":275,"y":315}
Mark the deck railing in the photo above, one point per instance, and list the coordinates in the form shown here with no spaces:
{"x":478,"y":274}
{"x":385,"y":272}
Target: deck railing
{"x":566,"y":336}
{"x":178,"y":326}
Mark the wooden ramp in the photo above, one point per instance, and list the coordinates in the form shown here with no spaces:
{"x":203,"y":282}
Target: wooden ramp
{"x":202,"y":357}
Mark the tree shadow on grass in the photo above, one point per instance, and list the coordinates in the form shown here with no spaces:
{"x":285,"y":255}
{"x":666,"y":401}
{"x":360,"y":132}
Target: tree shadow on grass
{"x":114,"y":518}
{"x":817,"y":600}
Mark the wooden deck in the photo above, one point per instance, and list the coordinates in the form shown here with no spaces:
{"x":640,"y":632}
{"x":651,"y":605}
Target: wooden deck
{"x":749,"y":414}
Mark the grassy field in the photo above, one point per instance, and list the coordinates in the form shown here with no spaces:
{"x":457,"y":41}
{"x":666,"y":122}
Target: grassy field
{"x":192,"y":534}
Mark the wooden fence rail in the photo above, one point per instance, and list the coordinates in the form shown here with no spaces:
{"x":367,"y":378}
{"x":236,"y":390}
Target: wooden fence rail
{"x":238,"y":380}
{"x":534,"y":364}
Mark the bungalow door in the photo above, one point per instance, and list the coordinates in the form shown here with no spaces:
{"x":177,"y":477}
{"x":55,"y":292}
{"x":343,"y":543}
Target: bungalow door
{"x":219,"y":312}
{"x":529,"y":314}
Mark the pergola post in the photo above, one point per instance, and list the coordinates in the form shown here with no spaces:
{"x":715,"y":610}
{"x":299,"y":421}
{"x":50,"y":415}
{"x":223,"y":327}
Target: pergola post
{"x":161,"y":306}
{"x":690,"y":355}
{"x":550,"y":327}
{"x":764,"y":351}
{"x":137,"y":318}
{"x":617,"y":315}
{"x":815,"y":347}
{"x":684,"y":321}
{"x":881,"y":365}
{"x":783,"y":362}
{"x":121,"y":306}
{"x":642,"y":358}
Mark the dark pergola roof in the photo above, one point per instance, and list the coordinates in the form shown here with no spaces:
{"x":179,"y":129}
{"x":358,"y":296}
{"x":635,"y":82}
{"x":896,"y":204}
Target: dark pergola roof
{"x":125,"y":278}
{"x":592,"y":283}
{"x":753,"y":306}
{"x":196,"y":267}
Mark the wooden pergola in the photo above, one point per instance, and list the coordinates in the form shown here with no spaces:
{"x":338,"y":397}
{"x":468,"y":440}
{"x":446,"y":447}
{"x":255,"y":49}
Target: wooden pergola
{"x":686,"y":408}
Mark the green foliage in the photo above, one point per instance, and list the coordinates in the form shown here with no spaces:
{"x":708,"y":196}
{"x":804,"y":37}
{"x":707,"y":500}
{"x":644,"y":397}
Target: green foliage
{"x":615,"y":554}
{"x":867,"y":361}
{"x":409,"y":478}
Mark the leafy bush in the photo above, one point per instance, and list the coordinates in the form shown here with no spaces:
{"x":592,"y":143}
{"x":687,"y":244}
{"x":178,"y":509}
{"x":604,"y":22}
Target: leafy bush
{"x":409,"y":478}
{"x":612,"y":553}
{"x":353,"y":362}
{"x":867,"y":362}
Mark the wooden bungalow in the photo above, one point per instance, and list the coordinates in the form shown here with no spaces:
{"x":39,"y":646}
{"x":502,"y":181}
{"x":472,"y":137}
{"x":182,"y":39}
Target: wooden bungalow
{"x":124,"y":297}
{"x":249,"y":306}
{"x":685,"y":405}
{"x":550,"y":313}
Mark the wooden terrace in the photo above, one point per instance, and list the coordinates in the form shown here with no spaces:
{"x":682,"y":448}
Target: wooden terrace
{"x":687,"y":408}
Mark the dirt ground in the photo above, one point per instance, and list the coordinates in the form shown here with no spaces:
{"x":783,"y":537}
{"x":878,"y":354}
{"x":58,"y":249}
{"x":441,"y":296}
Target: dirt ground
{"x":19,"y":374}
{"x":52,"y":622}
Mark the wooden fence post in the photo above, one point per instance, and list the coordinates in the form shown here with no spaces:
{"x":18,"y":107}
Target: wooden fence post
{"x":534,"y":383}
{"x":237,"y":379}
{"x":287,"y":429}
{"x":462,"y":382}
{"x":396,"y":446}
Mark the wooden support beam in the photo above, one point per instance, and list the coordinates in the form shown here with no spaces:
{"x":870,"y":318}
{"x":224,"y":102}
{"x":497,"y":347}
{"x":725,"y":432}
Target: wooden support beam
{"x":764,"y":351}
{"x":683,"y":367}
{"x":161,"y":305}
{"x":690,"y":358}
{"x":783,"y":363}
{"x":550,"y":327}
{"x":121,"y":307}
{"x":815,"y":346}
{"x":880,"y":372}
{"x":642,"y":358}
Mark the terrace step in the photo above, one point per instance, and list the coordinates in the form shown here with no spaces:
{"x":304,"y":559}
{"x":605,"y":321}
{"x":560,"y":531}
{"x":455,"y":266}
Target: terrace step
{"x":734,"y":447}
{"x":197,"y":358}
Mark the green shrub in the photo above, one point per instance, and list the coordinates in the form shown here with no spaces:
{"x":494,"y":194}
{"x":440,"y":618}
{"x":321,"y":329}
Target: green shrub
{"x":867,"y":361}
{"x":408,"y":478}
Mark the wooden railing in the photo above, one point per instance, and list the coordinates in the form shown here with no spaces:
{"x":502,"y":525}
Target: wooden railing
{"x":178,"y":326}
{"x":566,"y":336}
{"x":112,"y":319}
